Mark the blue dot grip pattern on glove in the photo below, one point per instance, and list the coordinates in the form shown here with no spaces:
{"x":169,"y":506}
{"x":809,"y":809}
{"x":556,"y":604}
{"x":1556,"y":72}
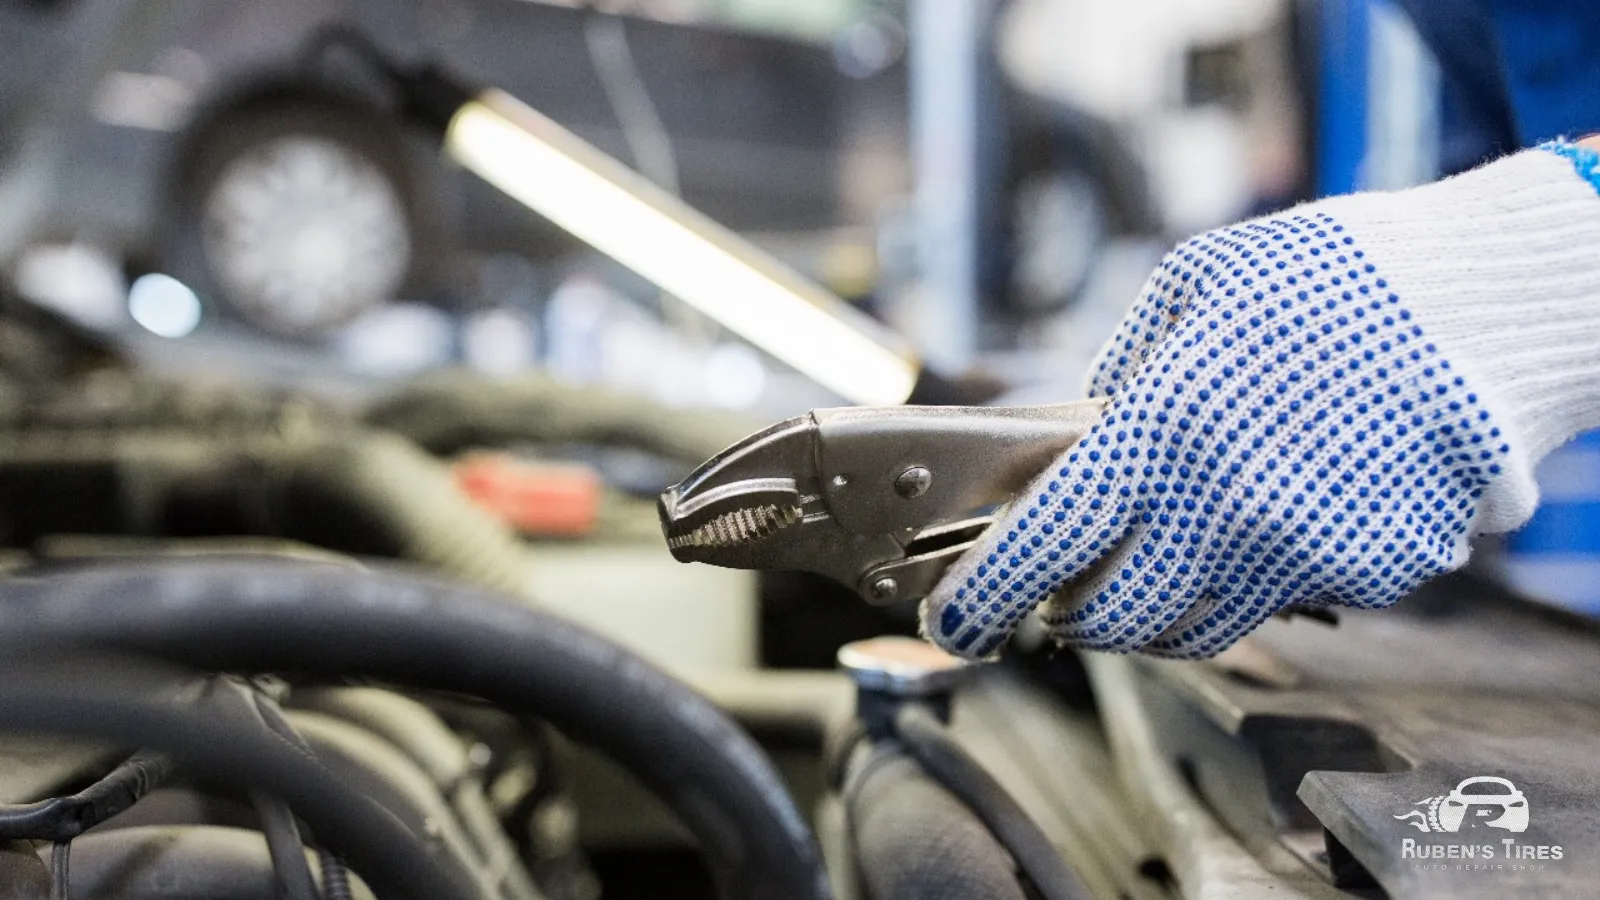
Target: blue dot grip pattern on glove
{"x":1281,"y":431}
{"x":1584,"y":160}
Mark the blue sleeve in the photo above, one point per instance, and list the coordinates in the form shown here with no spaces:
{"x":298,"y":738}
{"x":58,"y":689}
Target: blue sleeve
{"x":1551,"y":51}
{"x":1516,"y":72}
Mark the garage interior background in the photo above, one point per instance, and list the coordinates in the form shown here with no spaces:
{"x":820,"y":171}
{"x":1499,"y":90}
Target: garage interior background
{"x":253,"y":215}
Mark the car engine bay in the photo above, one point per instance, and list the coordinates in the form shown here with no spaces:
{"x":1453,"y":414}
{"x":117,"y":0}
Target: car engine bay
{"x":261,"y":646}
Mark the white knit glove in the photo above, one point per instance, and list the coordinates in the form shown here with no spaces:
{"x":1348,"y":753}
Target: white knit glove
{"x":1316,"y":407}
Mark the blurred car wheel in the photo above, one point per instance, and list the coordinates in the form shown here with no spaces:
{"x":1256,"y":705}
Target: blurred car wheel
{"x":301,"y":216}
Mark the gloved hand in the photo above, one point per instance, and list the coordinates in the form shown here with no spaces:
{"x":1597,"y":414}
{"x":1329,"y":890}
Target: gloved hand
{"x":1316,"y":407}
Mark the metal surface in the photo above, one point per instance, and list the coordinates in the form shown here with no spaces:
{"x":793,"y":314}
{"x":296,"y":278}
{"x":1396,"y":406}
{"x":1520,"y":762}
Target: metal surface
{"x":901,"y":666}
{"x":1054,"y":760}
{"x":1325,"y":750}
{"x":878,"y":498}
{"x":1202,"y":857}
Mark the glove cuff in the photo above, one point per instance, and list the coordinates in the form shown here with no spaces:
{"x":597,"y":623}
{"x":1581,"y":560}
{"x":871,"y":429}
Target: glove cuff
{"x":1501,"y":268}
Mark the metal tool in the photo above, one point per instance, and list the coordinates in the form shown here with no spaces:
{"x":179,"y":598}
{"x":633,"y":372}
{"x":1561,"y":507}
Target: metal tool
{"x":880,"y":499}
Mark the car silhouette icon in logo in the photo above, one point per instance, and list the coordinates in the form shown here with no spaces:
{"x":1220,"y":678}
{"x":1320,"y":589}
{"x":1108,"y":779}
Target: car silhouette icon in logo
{"x":1485,"y":805}
{"x":1482,"y":800}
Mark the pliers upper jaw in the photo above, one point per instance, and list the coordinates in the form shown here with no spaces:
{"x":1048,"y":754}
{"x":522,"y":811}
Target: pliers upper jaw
{"x":742,"y":495}
{"x":761,"y":504}
{"x":729,"y":516}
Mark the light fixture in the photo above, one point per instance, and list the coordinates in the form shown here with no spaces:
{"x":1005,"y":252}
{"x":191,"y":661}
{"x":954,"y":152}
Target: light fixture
{"x":617,"y":211}
{"x":682,"y":251}
{"x":164,"y":305}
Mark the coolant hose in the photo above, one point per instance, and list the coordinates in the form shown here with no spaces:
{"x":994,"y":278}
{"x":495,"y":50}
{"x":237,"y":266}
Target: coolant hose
{"x":407,"y":499}
{"x":913,"y":841}
{"x":928,"y":741}
{"x":326,"y":620}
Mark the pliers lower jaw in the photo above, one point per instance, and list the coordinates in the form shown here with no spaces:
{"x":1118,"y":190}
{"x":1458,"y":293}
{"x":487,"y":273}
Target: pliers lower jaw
{"x":879,"y":499}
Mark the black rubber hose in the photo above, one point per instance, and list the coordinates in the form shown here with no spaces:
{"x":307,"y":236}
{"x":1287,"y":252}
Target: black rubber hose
{"x":914,"y":841}
{"x":60,"y":869}
{"x":291,"y":873}
{"x":334,"y":621}
{"x":141,"y":705}
{"x":64,"y":818}
{"x":929,"y":742}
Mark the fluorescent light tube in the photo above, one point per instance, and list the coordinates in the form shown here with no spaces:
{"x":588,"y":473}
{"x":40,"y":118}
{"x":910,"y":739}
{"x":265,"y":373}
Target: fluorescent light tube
{"x":612,"y":208}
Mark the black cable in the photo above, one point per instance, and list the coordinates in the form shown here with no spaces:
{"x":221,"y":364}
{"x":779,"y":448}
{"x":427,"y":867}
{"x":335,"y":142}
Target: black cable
{"x":60,"y":869}
{"x":930,"y":744}
{"x":291,"y":873}
{"x":291,"y":870}
{"x":610,"y":56}
{"x":335,"y":621}
{"x":64,"y":818}
{"x":335,"y":877}
{"x":148,"y":706}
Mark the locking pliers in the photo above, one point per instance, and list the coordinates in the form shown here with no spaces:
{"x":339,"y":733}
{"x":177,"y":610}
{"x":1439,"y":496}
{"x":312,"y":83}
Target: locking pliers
{"x":879,"y":499}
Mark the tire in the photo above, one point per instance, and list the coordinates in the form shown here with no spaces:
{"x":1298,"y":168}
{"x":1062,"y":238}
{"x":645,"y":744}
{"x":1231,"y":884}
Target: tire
{"x":1069,"y":185}
{"x":298,"y":214}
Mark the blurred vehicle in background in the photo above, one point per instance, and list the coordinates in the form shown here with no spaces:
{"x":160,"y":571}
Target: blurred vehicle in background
{"x":214,"y":141}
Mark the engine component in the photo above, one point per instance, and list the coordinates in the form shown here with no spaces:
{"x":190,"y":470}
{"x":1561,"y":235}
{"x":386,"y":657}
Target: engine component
{"x":436,"y":755}
{"x":184,"y":863}
{"x":335,"y":621}
{"x":903,"y":698}
{"x":354,"y":491}
{"x":218,"y":732}
{"x":1324,"y":749}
